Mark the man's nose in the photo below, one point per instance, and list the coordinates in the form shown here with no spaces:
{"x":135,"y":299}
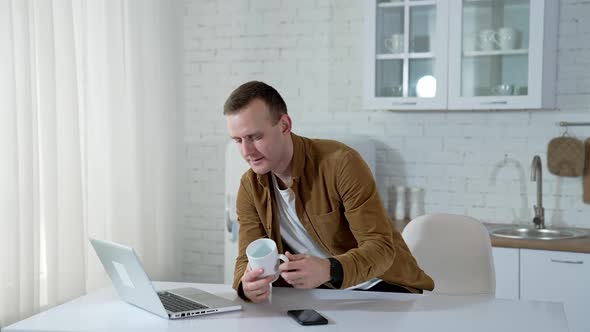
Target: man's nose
{"x":247,"y":148}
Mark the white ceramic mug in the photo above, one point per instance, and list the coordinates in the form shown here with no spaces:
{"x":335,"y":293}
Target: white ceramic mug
{"x":396,"y":90}
{"x":395,"y":43}
{"x":506,"y":38}
{"x":263,"y":254}
{"x":487,"y":40}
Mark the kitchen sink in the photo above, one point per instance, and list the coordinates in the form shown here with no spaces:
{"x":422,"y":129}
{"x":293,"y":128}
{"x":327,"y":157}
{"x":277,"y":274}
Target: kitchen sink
{"x":525,"y":233}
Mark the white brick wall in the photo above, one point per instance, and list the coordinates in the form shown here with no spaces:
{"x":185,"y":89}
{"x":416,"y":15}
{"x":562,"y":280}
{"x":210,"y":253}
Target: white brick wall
{"x":475,"y":163}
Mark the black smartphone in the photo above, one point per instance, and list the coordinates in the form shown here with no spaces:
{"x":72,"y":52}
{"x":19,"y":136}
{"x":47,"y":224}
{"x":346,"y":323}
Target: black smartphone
{"x":307,"y":317}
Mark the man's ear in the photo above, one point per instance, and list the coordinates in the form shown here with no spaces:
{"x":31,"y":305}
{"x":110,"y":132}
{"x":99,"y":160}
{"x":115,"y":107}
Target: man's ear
{"x":285,"y":123}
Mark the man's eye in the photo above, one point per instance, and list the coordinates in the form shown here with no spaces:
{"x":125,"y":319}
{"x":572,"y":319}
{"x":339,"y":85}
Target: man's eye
{"x":237,"y":140}
{"x":258,"y":137}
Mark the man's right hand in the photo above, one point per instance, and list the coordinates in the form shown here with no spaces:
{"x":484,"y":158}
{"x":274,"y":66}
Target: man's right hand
{"x":256,"y":289}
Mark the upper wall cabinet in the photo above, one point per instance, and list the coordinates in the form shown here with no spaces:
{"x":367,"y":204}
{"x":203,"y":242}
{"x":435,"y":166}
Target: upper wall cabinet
{"x":503,"y":54}
{"x":406,"y":65}
{"x":461,"y":54}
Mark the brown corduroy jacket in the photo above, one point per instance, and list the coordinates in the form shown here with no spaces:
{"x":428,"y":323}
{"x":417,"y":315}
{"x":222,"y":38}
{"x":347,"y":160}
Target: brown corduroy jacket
{"x":338,"y":204}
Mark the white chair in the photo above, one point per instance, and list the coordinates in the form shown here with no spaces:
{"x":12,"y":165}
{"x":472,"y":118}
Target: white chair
{"x":455,"y":251}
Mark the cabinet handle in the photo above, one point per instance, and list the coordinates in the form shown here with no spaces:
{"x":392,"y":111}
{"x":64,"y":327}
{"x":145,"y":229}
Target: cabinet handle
{"x":495,"y":102}
{"x":404,"y":103}
{"x":566,"y":261}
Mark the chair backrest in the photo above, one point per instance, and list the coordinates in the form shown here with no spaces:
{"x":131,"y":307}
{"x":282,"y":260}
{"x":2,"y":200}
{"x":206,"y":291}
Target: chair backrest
{"x":455,"y":251}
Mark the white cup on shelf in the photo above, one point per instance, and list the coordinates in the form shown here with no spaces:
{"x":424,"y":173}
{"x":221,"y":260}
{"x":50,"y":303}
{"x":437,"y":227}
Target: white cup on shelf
{"x":395,"y":43}
{"x":506,"y":38}
{"x":487,"y":40}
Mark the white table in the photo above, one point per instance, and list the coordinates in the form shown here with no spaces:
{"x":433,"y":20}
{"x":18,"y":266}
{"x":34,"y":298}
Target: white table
{"x":102,"y":310}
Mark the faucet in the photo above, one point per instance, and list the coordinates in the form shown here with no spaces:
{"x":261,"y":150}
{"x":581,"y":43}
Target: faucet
{"x":537,"y":175}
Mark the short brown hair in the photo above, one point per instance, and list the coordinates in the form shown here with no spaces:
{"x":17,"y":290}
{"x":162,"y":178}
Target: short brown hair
{"x":249,"y":91}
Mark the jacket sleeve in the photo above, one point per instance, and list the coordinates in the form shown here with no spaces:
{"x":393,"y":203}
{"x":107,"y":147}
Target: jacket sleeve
{"x":368,"y":221}
{"x":251,"y":228}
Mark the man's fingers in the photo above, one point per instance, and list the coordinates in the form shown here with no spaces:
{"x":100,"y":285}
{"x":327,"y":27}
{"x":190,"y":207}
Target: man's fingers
{"x":292,"y":277}
{"x":262,"y":292}
{"x":257,"y":284}
{"x":257,"y":291}
{"x":295,"y":262}
{"x":252,"y":275}
{"x":291,"y":265}
{"x":293,"y":257}
{"x":260,"y":298}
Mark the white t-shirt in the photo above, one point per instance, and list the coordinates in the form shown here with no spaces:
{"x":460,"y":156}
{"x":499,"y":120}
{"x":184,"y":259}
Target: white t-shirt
{"x":295,"y":235}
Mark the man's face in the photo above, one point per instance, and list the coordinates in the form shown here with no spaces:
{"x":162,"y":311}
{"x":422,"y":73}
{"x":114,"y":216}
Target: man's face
{"x":261,"y":143}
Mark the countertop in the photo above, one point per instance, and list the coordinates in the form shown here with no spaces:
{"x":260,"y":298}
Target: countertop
{"x":103,"y":310}
{"x":573,"y":245}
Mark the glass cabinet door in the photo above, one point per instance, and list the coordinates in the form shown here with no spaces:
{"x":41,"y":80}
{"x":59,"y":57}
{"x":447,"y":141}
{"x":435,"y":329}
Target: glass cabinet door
{"x":502,"y":54}
{"x":409,"y":57}
{"x":461,"y":54}
{"x":495,"y":44}
{"x":390,"y":40}
{"x":420,"y":56}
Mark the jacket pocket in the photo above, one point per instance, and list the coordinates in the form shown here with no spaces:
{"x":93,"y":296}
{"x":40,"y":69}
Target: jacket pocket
{"x":334,"y":232}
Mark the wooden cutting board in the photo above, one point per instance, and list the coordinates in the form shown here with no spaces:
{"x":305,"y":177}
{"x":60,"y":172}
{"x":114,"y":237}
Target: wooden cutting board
{"x":587,"y":173}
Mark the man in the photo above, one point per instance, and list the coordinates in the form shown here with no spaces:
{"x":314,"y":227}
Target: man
{"x":315,"y":198}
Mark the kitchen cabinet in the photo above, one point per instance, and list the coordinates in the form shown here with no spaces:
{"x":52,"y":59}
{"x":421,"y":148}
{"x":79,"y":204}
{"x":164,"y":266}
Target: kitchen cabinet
{"x":543,"y":275}
{"x":461,"y":54}
{"x":502,"y":54}
{"x":559,"y":277}
{"x":406,"y":65}
{"x":506,"y":264}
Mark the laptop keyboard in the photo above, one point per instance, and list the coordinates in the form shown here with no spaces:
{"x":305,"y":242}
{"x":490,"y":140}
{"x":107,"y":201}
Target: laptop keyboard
{"x":176,"y":303}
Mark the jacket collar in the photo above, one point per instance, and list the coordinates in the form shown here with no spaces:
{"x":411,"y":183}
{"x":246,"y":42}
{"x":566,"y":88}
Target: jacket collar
{"x":297,"y":162}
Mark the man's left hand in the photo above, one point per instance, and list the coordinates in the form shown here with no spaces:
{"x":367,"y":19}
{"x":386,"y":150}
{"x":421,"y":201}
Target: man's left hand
{"x":305,"y":271}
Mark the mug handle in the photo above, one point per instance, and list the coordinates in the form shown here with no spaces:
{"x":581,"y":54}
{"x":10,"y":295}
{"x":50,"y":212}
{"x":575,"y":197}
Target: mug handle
{"x":389,"y":44}
{"x":281,"y":258}
{"x":495,"y":38}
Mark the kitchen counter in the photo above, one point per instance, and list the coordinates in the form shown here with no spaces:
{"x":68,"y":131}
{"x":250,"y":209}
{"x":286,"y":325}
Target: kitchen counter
{"x":572,"y":245}
{"x":103,"y":310}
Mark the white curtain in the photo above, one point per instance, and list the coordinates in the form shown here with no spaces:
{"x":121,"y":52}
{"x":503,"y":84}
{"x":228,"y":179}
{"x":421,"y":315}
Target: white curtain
{"x":88,"y":119}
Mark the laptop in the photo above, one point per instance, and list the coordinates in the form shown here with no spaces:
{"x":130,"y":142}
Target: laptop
{"x":135,"y":287}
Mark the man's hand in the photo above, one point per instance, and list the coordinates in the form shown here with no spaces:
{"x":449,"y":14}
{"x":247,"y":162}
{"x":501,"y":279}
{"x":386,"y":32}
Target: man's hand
{"x":305,"y":271}
{"x":256,"y":289}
